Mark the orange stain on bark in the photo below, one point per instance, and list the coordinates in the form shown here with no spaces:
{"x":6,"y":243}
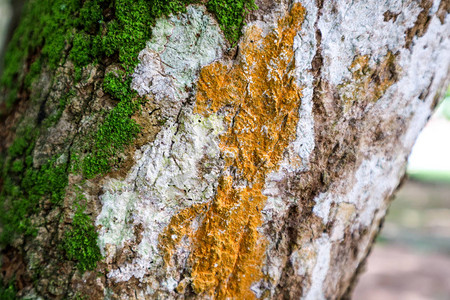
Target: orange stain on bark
{"x":259,"y":100}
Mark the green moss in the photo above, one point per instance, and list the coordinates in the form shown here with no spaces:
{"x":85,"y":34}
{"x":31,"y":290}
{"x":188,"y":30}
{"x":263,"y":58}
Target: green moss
{"x":79,"y":55}
{"x":91,"y":15}
{"x":17,"y":166}
{"x":79,"y":296}
{"x":23,"y":190}
{"x":8,"y":292}
{"x":20,"y":144}
{"x":117,"y":130}
{"x":42,"y":34}
{"x":80,"y":242}
{"x":35,"y":70}
{"x":75,"y":164}
{"x":123,"y":30}
{"x":123,"y":37}
{"x":231,"y":15}
{"x":24,"y":186}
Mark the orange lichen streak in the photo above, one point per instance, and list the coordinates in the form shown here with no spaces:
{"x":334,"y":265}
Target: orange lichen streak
{"x":259,"y":100}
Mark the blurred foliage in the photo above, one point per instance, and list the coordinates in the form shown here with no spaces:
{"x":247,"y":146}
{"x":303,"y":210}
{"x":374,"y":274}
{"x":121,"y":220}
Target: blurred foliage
{"x":430,"y":176}
{"x":444,"y":106}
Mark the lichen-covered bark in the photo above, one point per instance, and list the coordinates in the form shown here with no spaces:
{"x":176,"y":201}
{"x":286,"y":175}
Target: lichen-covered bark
{"x":211,"y":169}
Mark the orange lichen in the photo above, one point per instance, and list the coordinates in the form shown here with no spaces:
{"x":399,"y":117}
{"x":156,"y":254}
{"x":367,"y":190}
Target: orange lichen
{"x":178,"y":228}
{"x":259,"y":100}
{"x":369,"y":84}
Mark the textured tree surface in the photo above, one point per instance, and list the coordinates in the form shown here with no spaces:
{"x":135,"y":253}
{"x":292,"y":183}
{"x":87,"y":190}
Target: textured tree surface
{"x":208,"y":149}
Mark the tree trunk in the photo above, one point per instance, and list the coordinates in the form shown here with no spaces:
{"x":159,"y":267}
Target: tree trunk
{"x":155,"y":150}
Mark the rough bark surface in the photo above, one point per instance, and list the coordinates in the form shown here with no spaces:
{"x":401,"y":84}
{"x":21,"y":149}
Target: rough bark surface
{"x":261,"y":170}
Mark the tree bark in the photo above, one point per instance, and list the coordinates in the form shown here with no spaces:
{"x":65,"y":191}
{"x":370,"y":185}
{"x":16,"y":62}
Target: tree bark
{"x":261,"y":168}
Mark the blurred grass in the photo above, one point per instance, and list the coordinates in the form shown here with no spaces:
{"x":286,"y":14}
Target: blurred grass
{"x":419,"y":217}
{"x":444,"y":107}
{"x":431,"y":176}
{"x":434,"y":141}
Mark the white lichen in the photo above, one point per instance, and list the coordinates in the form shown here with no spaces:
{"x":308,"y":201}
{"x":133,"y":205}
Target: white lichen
{"x":303,"y":260}
{"x":305,"y":49}
{"x":171,"y":61}
{"x":181,"y":166}
{"x":320,"y":271}
{"x":359,"y":28}
{"x":166,"y":179}
{"x":426,"y":67}
{"x":361,"y":191}
{"x":378,"y":175}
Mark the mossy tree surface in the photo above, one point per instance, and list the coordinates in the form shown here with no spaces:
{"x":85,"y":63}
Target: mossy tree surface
{"x":88,"y":34}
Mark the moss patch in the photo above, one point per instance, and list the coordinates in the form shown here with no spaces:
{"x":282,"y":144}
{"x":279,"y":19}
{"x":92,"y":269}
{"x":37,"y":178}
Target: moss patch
{"x":80,"y":243}
{"x":25,"y":187}
{"x":231,"y":15}
{"x":8,"y":292}
{"x":117,"y":130}
{"x":40,"y":37}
